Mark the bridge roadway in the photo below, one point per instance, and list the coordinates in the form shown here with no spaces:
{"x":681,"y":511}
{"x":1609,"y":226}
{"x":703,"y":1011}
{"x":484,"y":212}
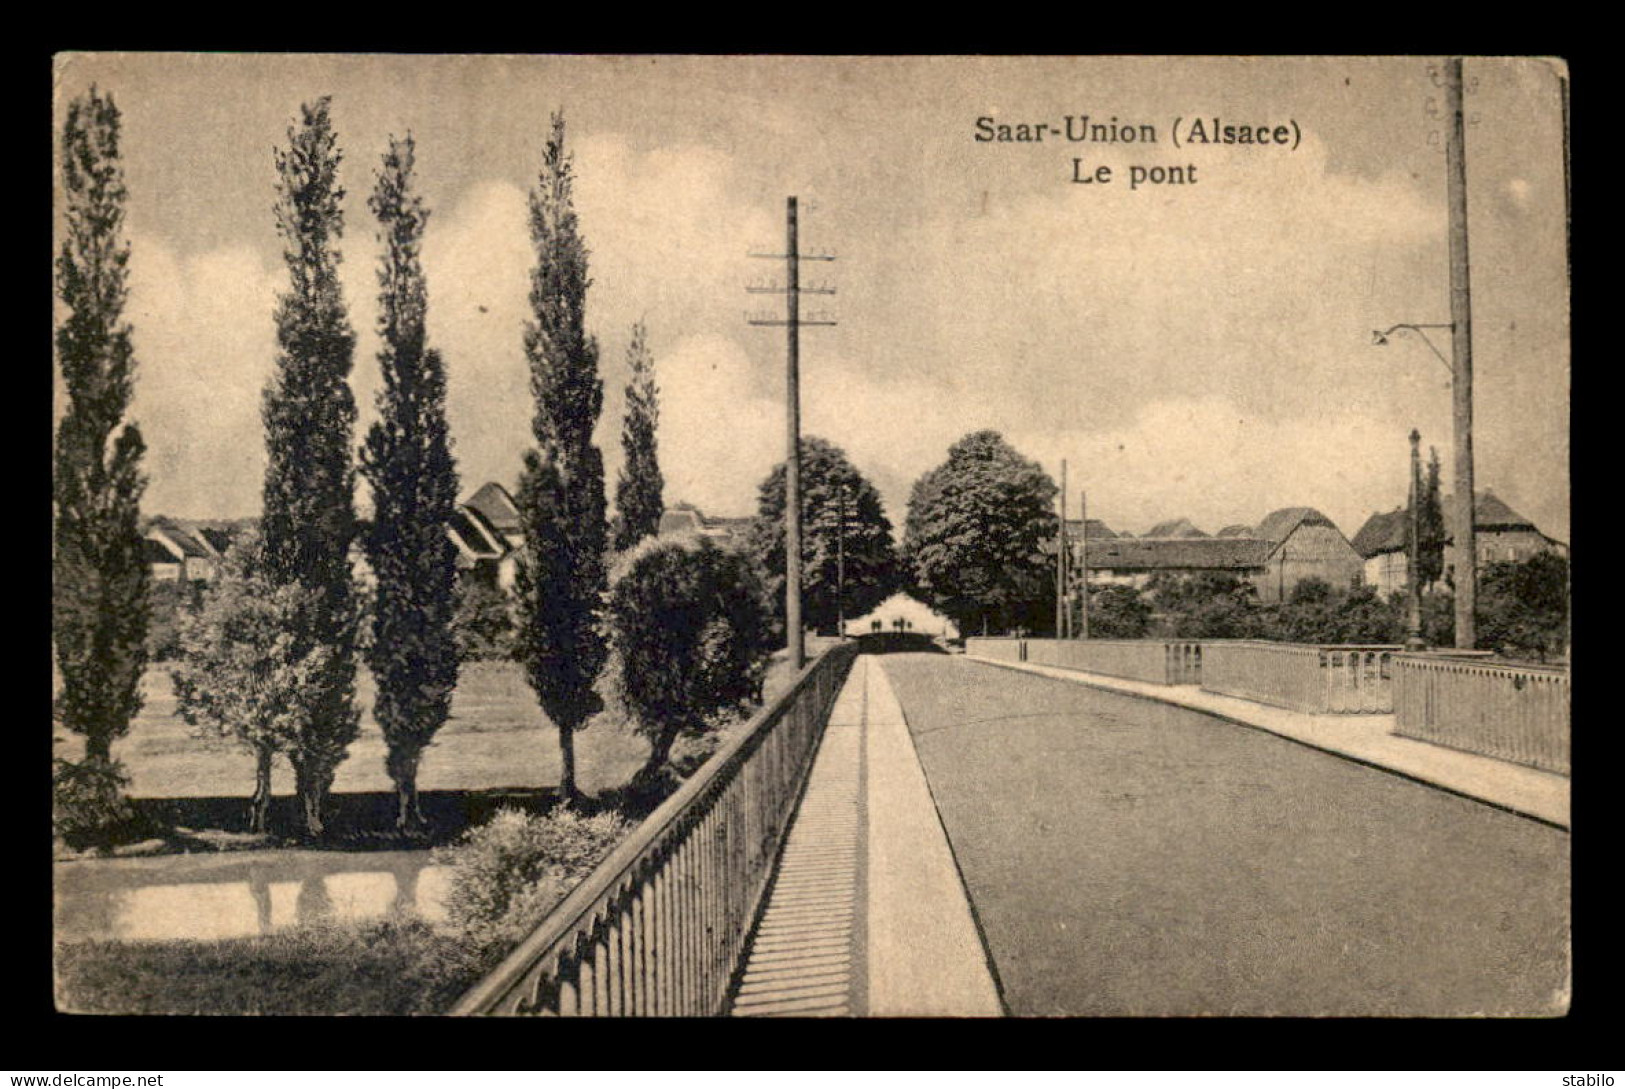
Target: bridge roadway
{"x":1122,"y":857}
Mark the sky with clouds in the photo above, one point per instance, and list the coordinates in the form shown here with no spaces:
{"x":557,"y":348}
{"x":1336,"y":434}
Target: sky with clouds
{"x":1201,"y":350}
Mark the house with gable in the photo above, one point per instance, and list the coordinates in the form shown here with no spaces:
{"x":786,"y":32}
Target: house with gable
{"x":1305,"y":544}
{"x":184,"y":551}
{"x":1502,"y":535}
{"x":486,"y":531}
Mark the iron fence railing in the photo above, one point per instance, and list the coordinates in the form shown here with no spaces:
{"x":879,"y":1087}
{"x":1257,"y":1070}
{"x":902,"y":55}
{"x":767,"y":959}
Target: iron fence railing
{"x":659,"y":927}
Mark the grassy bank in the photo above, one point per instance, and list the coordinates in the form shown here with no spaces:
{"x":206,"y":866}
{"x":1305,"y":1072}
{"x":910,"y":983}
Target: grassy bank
{"x":390,"y":966}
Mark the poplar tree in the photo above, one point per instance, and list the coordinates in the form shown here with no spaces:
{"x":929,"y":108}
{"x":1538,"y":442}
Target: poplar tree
{"x":408,"y":461}
{"x":1433,"y":529}
{"x":638,"y":489}
{"x":99,"y":576}
{"x":561,"y":579}
{"x":308,"y":523}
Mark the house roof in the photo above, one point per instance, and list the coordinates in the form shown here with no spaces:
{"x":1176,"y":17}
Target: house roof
{"x":1173,"y":553}
{"x":218,"y":539}
{"x":1178,"y":527}
{"x":1386,"y":532}
{"x":1381,"y":533}
{"x":1278,"y":525}
{"x":477,"y":536}
{"x":183,"y":539}
{"x":1098,"y":530}
{"x":498,"y":507}
{"x":1489,"y":512}
{"x":154,"y":552}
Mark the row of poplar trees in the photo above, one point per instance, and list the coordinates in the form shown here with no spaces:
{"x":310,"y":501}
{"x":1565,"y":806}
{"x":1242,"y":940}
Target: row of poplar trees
{"x":295,"y":623}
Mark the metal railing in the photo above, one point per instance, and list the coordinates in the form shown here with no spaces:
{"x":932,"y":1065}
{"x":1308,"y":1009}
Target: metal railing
{"x":1314,"y":679}
{"x":659,"y":927}
{"x":1515,"y":713}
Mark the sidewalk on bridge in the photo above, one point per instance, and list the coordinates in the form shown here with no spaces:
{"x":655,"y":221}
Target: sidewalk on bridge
{"x":1368,"y":739}
{"x":867,"y":915}
{"x":925,"y":955}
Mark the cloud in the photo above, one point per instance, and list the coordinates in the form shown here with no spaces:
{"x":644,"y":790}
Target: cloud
{"x":204,"y":342}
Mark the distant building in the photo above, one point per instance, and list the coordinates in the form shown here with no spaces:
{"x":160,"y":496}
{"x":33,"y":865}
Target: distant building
{"x":1502,"y":535}
{"x":682,"y":518}
{"x":179,"y":550}
{"x":1132,"y":561}
{"x":486,"y":531}
{"x":1289,"y":546}
{"x":1305,"y":544}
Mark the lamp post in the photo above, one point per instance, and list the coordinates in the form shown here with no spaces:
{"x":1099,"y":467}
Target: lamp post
{"x":1413,"y":614}
{"x":1466,"y":549}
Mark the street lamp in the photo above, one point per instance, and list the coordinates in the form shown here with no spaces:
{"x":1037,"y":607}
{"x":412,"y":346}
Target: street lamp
{"x":1465,"y":539}
{"x":1379,"y":338}
{"x":1413,"y":618}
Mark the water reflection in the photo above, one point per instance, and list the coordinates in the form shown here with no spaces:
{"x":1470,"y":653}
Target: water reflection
{"x":235,"y":896}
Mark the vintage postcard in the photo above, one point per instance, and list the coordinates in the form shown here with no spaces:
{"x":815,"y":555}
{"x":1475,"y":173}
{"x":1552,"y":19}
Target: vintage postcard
{"x":796,"y":536}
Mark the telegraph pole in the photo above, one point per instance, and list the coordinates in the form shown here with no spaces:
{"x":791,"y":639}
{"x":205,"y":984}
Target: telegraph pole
{"x":792,"y":321}
{"x":1461,"y":342}
{"x":840,"y":562}
{"x":1062,"y":613}
{"x":1083,"y":550}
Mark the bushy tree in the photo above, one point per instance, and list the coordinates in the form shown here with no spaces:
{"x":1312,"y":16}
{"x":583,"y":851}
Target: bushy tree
{"x":1524,"y":607}
{"x":246,"y":671}
{"x":170,"y":600}
{"x":508,"y":873}
{"x":690,"y":627}
{"x":308,"y":521}
{"x":561,"y":578}
{"x":100,"y":610}
{"x":1212,"y":605}
{"x":639,"y":490}
{"x":483,"y":622}
{"x":1317,"y":612}
{"x":836,"y":500}
{"x":971,"y":541}
{"x":408,"y":461}
{"x":1115,"y":612}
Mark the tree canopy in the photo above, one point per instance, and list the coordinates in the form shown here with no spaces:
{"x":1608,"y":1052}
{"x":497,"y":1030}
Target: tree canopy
{"x":973,"y":536}
{"x":309,"y":523}
{"x":99,"y":575}
{"x":408,"y":461}
{"x":841,"y":513}
{"x":639,"y":500}
{"x":562,"y":577}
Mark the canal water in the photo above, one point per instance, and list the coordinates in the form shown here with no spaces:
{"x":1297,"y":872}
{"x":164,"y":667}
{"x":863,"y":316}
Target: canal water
{"x":241,"y":894}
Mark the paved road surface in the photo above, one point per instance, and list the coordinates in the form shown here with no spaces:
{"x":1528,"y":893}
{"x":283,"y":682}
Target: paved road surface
{"x":1128,"y":858}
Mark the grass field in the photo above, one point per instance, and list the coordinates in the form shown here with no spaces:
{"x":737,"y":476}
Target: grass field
{"x":497,"y":739}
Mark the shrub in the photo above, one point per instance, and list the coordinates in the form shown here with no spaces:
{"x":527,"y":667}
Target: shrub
{"x":88,"y":806}
{"x":508,"y":873}
{"x":1116,"y":612}
{"x":691,"y":639}
{"x":483,"y":622}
